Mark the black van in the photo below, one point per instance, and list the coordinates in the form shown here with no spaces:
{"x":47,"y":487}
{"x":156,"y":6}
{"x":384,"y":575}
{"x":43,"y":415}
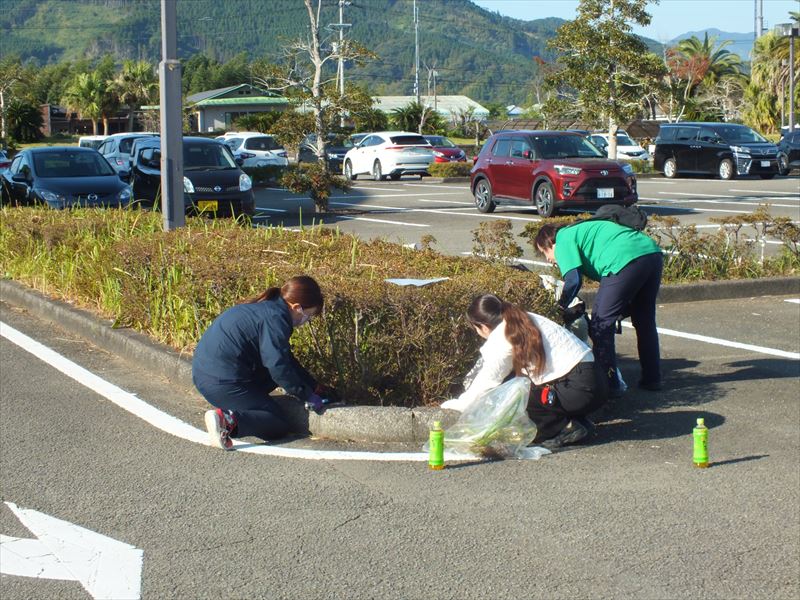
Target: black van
{"x":724,"y":149}
{"x":213,"y":182}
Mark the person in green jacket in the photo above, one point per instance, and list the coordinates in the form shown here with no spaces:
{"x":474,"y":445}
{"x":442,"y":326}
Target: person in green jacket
{"x":628,"y":265}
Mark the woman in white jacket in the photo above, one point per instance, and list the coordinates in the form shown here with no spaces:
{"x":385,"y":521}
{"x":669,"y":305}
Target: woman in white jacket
{"x":565,"y":384}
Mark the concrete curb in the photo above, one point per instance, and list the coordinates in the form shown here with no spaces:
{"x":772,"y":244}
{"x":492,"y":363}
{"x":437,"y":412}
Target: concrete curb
{"x":349,"y":423}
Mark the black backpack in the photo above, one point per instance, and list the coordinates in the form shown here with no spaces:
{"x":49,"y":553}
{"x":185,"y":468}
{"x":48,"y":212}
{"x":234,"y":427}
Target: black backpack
{"x":629,"y":216}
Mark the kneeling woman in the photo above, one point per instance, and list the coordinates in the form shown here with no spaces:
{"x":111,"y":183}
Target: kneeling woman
{"x":245,"y":354}
{"x":566,"y":386}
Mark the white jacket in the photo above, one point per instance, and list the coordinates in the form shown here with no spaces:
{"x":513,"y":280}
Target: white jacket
{"x":562,"y":351}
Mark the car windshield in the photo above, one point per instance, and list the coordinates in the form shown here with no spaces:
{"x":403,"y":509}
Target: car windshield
{"x":738,"y":134}
{"x":624,"y":140}
{"x":566,"y":146}
{"x":125,"y":144}
{"x":261,"y":143}
{"x":409,"y":140}
{"x":61,"y":163}
{"x":440,"y":141}
{"x":199,"y":157}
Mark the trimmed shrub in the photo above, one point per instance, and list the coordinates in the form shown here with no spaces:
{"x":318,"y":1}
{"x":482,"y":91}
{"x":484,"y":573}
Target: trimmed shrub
{"x":450,"y":169}
{"x":377,"y":342}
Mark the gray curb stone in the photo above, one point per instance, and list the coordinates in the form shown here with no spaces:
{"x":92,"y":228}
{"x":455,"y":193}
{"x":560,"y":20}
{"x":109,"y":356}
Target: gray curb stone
{"x":348,"y":423}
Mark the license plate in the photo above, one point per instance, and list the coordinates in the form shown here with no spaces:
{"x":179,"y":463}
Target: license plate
{"x":207,"y":205}
{"x":605,"y":192}
{"x":764,"y":163}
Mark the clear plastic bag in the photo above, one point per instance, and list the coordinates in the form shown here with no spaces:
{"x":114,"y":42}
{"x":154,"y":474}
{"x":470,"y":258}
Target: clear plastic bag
{"x":496,"y":424}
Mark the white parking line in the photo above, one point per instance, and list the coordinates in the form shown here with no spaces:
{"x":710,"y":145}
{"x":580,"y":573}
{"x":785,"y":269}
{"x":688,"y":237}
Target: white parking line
{"x":385,"y":221}
{"x":437,"y":186}
{"x":721,"y":342}
{"x":793,"y":194}
{"x":742,"y":202}
{"x":174,"y":426}
{"x":437,"y":211}
{"x":793,"y":300}
{"x":277,"y":210}
{"x":448,"y":201}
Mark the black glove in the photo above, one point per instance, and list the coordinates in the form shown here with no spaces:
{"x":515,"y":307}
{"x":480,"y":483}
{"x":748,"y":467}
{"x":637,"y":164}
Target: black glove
{"x":328,"y":393}
{"x":572,"y":313}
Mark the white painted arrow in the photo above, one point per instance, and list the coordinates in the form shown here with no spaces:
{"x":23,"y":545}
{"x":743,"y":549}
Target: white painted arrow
{"x":105,"y":567}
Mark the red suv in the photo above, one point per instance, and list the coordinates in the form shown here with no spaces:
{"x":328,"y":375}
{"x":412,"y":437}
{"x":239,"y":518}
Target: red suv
{"x":551,"y":169}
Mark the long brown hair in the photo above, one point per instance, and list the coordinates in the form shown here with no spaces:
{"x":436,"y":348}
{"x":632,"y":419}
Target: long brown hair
{"x":302,"y":290}
{"x":523,"y":335}
{"x":546,"y":236}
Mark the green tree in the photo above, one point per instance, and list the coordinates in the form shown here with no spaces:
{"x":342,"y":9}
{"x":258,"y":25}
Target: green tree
{"x":135,"y":85}
{"x":699,"y":74}
{"x":24,"y":120}
{"x":11,"y":73}
{"x":604,"y":69}
{"x":417,"y":117}
{"x":84,"y":95}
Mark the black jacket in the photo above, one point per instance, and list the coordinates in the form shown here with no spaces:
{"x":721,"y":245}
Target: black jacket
{"x":249,"y":343}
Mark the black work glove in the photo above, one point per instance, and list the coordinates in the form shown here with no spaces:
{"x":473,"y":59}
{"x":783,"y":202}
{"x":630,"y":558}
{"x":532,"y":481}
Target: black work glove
{"x":572,"y":313}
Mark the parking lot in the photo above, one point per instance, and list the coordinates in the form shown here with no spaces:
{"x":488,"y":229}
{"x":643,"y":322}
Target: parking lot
{"x":404,"y":211}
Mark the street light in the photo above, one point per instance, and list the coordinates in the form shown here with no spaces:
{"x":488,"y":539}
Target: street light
{"x":790,"y":30}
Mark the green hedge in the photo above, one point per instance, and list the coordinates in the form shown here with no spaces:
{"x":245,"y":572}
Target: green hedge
{"x":377,"y":342}
{"x":450,"y":169}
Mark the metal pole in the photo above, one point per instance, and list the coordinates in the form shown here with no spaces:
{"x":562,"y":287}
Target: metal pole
{"x":341,"y":43}
{"x":792,"y":35}
{"x":169,"y":74}
{"x":416,"y":51}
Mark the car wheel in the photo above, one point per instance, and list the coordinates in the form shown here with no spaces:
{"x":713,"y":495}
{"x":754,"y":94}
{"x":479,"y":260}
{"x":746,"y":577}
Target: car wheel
{"x":394,"y":176}
{"x":544,"y":198}
{"x":670,"y":168}
{"x":483,"y":196}
{"x":783,"y":164}
{"x":377,"y":173}
{"x":348,"y":171}
{"x":726,"y":169}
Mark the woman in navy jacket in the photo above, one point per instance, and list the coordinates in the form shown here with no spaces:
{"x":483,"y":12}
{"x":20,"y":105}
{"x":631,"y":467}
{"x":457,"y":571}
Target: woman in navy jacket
{"x":245,"y":354}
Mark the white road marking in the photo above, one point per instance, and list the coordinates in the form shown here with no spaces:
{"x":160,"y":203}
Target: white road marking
{"x":697,"y":194}
{"x":277,"y":210}
{"x":105,"y":567}
{"x":525,"y":261}
{"x":793,"y":300}
{"x":385,"y":221}
{"x":174,"y":426}
{"x":438,"y":186}
{"x":737,"y":203}
{"x":437,"y":211}
{"x":448,"y":201}
{"x":794,"y":194}
{"x":721,"y":342}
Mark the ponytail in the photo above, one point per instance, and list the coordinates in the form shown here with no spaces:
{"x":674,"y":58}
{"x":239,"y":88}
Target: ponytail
{"x":302,"y":290}
{"x":523,"y":335}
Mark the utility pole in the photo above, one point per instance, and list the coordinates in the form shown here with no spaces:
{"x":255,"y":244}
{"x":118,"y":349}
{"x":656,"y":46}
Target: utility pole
{"x":759,"y":19}
{"x":169,"y":74}
{"x":416,"y":51}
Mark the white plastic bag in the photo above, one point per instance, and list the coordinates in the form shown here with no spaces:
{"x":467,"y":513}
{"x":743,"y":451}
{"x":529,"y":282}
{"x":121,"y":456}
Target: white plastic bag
{"x":496,"y":424}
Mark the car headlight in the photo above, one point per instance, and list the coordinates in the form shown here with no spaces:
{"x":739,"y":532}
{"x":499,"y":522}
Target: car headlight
{"x":439,"y":154}
{"x":124,"y":195}
{"x":740,"y":149}
{"x":245,"y":183}
{"x":53,"y":198}
{"x":627,"y":169}
{"x":188,"y":186}
{"x":565,"y":170}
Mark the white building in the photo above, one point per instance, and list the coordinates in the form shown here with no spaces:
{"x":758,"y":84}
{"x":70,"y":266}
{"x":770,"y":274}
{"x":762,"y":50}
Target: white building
{"x":447,"y":106}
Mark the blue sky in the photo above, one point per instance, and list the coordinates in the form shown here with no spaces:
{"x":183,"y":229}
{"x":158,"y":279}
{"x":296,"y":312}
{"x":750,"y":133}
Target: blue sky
{"x":670,"y":18}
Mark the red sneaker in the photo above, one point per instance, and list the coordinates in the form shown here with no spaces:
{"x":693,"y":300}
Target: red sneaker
{"x":220,"y":424}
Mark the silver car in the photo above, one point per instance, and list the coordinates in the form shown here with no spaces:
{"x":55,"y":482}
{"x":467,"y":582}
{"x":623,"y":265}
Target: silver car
{"x":117,"y":149}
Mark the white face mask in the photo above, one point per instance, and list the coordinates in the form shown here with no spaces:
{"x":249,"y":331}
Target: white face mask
{"x":304,"y":318}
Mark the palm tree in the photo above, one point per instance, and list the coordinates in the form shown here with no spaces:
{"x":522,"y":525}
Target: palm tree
{"x":718,"y":61}
{"x":24,"y":120}
{"x":84,"y":95}
{"x":134,"y":86}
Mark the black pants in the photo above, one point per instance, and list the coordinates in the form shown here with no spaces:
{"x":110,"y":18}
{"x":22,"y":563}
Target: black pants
{"x":256,"y":413}
{"x":582,"y":391}
{"x":632,"y":292}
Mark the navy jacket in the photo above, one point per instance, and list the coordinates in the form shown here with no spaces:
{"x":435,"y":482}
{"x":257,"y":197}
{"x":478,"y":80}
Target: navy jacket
{"x":249,"y":343}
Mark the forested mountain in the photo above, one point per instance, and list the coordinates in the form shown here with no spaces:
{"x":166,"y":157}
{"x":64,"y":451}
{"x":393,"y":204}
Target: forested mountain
{"x":475,"y":52}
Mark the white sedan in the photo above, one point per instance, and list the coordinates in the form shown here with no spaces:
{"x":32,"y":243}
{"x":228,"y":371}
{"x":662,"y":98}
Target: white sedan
{"x":389,"y":154}
{"x":256,"y":149}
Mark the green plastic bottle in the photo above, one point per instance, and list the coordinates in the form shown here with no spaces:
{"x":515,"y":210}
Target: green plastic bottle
{"x":700,"y":434}
{"x":436,"y":444}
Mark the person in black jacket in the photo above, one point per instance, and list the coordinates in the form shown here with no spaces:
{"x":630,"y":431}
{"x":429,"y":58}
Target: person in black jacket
{"x":245,"y":354}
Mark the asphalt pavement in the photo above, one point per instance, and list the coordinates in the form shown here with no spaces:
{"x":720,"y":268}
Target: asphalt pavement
{"x":624,"y":516}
